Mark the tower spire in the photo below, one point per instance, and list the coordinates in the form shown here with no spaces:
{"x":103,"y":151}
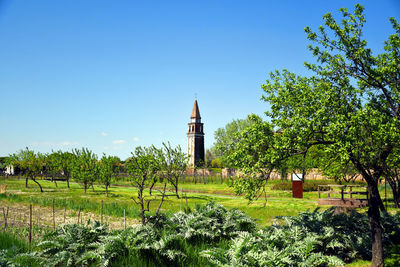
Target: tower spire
{"x":195,"y":111}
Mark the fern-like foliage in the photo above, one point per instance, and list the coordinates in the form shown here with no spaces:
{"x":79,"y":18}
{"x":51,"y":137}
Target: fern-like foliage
{"x":231,"y":237}
{"x":211,"y":222}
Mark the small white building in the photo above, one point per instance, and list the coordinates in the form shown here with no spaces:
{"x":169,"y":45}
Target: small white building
{"x":9,"y":170}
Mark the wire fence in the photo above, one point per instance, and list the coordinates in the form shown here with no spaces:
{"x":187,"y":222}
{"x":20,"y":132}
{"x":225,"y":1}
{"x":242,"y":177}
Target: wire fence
{"x":31,"y":222}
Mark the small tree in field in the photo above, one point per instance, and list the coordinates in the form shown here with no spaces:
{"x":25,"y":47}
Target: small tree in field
{"x":144,"y":168}
{"x":84,"y":167}
{"x":172,"y":164}
{"x":63,"y":162}
{"x":52,"y":166}
{"x":108,"y":168}
{"x":254,"y":154}
{"x":30,"y":163}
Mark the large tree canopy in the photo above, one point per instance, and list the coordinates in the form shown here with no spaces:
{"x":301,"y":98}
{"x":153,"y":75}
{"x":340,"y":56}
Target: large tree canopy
{"x":349,"y":107}
{"x":227,"y":137}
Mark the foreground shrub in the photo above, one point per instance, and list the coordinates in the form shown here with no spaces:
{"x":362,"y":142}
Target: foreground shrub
{"x":212,"y":235}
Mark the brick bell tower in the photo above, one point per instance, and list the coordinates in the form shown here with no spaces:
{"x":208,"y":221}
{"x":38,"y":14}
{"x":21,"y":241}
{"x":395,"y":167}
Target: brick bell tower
{"x":195,"y":138}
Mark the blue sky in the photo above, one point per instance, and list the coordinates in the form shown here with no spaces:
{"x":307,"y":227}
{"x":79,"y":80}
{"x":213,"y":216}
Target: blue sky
{"x":113,"y":75}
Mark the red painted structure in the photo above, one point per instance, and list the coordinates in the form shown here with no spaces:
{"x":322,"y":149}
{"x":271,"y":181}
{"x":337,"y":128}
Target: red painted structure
{"x":297,"y":189}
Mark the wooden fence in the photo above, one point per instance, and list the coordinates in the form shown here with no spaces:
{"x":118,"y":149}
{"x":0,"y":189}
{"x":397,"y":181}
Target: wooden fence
{"x":358,"y":195}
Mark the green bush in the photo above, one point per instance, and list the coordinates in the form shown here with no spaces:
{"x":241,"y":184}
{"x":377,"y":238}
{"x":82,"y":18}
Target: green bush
{"x":216,"y":163}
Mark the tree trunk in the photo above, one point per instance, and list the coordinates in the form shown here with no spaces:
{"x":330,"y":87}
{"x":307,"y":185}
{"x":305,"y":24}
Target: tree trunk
{"x":53,"y":180}
{"x":68,"y":182}
{"x":106,"y":190}
{"x":396,"y":192}
{"x":396,"y":196}
{"x":92,"y":187}
{"x":176,"y":191}
{"x":84,"y":187}
{"x":375,"y":224}
{"x":41,"y":189}
{"x":26,"y":181}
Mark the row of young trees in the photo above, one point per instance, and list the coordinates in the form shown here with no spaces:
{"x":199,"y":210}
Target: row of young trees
{"x":80,"y":165}
{"x":147,"y":169}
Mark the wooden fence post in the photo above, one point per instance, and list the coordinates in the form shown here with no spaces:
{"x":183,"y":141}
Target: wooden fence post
{"x":30,"y":226}
{"x":342,"y":193}
{"x":221,"y":177}
{"x":181,"y":197}
{"x":5,"y":218}
{"x":124,"y":219}
{"x":101,"y":212}
{"x":187,"y":207}
{"x":79,"y":213}
{"x":54,"y":217}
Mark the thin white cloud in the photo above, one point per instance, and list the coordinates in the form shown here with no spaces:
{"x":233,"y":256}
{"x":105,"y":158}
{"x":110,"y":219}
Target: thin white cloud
{"x":104,"y":134}
{"x":136,"y":139}
{"x":50,"y":144}
{"x":119,"y":142}
{"x":67,"y":143}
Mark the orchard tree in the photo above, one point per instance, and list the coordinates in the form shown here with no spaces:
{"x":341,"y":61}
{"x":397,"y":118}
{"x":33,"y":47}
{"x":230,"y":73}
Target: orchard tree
{"x":108,"y":167}
{"x":84,"y":167}
{"x":143,"y":168}
{"x":30,"y":163}
{"x":350,"y":106}
{"x":52,"y":166}
{"x":173,"y":163}
{"x":256,"y":157}
{"x":63,"y":162}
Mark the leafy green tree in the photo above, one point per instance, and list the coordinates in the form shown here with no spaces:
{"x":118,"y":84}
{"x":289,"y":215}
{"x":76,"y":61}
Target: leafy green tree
{"x":173,"y":163}
{"x":107,"y":169}
{"x":84,"y":167}
{"x":30,"y":163}
{"x":51,"y":166}
{"x":63,"y":163}
{"x":256,"y":157}
{"x":143,"y":168}
{"x":225,"y":138}
{"x":350,"y":106}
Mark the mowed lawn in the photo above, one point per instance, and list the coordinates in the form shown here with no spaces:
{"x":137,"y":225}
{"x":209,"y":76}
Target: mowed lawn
{"x":279,"y":203}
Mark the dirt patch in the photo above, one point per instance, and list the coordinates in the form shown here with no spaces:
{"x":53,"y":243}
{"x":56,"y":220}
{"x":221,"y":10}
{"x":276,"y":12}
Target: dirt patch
{"x":18,"y":214}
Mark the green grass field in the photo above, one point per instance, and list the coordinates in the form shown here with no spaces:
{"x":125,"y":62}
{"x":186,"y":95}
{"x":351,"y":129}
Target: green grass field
{"x":279,"y":203}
